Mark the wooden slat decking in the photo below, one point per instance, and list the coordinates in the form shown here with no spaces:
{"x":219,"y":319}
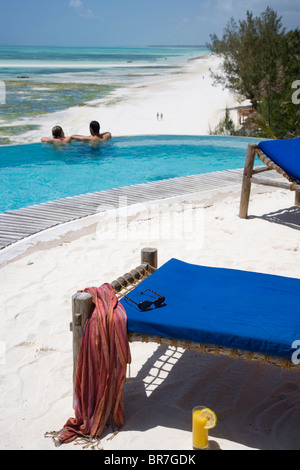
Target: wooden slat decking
{"x":21,"y":223}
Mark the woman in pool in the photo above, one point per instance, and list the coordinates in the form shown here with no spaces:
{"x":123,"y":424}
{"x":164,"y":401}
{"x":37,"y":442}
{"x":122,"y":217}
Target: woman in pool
{"x":58,"y":136}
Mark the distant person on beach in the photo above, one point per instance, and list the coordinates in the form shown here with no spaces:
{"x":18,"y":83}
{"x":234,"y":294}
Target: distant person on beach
{"x":58,"y":137}
{"x":95,"y":134}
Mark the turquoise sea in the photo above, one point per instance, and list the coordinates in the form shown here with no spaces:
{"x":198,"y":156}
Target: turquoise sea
{"x":40,"y":80}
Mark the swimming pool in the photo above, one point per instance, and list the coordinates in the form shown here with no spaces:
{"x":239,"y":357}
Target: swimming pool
{"x":35,"y":173}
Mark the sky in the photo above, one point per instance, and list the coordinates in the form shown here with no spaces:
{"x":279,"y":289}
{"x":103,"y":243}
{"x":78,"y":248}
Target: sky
{"x":128,"y":22}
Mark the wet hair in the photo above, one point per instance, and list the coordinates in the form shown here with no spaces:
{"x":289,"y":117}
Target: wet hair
{"x":95,"y":126}
{"x":57,"y":132}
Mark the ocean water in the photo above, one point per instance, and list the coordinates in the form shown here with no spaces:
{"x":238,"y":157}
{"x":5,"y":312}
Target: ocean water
{"x":40,"y":80}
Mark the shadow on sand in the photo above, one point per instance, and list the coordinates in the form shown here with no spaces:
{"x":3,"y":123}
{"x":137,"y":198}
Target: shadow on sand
{"x":290,"y":217}
{"x":258,"y":406}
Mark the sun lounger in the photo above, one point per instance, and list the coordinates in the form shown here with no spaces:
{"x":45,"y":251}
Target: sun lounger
{"x":219,"y":308}
{"x":222,"y":311}
{"x":282,"y":155}
{"x":239,"y":314}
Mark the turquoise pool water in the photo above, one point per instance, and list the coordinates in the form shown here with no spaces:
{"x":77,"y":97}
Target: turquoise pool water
{"x":35,"y":173}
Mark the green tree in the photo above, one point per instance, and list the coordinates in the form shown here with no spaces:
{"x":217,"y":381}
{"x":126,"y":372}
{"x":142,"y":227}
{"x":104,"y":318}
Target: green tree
{"x":277,"y":109}
{"x":260,"y":63}
{"x":252,"y":54}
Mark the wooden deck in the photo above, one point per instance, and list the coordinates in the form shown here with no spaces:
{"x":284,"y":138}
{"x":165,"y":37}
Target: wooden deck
{"x":21,"y":223}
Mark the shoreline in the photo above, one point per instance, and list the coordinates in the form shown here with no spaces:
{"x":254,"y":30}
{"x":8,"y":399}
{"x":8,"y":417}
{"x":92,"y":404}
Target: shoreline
{"x":120,"y":69}
{"x":190,"y":104}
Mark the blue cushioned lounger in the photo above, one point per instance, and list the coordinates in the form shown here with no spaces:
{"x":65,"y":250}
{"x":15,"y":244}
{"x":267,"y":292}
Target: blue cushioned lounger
{"x":285,"y":153}
{"x":225,"y":307}
{"x":282,"y":155}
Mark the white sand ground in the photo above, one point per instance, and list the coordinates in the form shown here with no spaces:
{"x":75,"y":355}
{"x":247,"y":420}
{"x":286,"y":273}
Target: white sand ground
{"x":258,"y":407}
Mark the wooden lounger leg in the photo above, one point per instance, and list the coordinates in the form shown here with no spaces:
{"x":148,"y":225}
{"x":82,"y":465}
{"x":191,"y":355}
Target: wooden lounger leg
{"x":297,"y":198}
{"x":246,"y":185}
{"x":82,"y":306}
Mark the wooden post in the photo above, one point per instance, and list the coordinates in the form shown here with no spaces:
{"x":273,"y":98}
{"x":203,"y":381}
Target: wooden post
{"x":297,"y":198}
{"x":149,"y":256}
{"x":246,"y":185}
{"x":82,"y":307}
{"x":82,"y":304}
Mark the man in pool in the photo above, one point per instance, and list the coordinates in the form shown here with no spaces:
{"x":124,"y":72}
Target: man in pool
{"x":58,"y":136}
{"x":95,"y":134}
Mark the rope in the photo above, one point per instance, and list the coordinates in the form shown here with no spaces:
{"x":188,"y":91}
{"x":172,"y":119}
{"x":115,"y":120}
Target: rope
{"x":273,"y":166}
{"x":249,"y":356}
{"x":129,"y":286}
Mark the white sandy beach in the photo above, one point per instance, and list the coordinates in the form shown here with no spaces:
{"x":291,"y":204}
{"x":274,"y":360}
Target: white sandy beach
{"x":258,"y":406}
{"x":189,"y":102}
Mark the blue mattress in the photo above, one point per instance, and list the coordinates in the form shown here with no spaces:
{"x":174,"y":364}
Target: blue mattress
{"x":236,"y":309}
{"x":285,"y":153}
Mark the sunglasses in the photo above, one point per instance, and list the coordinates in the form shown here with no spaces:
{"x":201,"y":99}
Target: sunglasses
{"x":146,"y":304}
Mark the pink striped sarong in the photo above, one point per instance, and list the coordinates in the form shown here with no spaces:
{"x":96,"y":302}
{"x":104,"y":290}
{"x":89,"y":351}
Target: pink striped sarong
{"x":101,"y":368}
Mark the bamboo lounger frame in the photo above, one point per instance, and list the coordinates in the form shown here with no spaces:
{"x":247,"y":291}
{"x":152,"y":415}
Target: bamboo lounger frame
{"x":248,"y":178}
{"x":82,"y":308}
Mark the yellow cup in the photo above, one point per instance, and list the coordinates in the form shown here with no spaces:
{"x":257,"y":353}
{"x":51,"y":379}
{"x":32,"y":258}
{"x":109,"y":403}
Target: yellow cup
{"x":200,"y":434}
